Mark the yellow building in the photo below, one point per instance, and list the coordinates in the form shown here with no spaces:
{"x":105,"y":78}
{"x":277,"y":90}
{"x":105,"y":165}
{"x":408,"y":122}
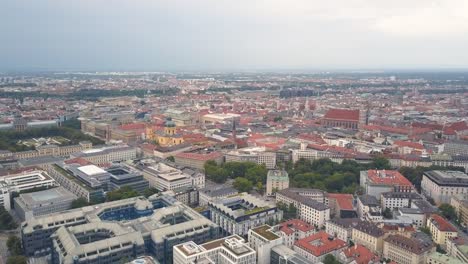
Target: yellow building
{"x":441,"y":229}
{"x":404,"y":250}
{"x":168,"y":137}
{"x":368,"y":235}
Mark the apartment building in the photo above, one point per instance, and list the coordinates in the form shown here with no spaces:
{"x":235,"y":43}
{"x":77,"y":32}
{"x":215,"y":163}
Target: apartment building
{"x":404,"y":250}
{"x":341,"y":228}
{"x":368,"y":235}
{"x":441,"y":229}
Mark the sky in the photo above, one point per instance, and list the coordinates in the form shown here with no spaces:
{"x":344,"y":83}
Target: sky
{"x":224,"y":35}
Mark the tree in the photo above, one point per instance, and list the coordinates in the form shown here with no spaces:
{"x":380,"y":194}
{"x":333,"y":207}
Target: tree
{"x":242,"y":184}
{"x":78,"y":203}
{"x":259,"y":186}
{"x":171,"y":158}
{"x":448,"y":212}
{"x":380,"y":163}
{"x":330,"y":259}
{"x":278,"y":119}
{"x":387,"y":213}
{"x":6,"y":220}
{"x":17,"y":260}
{"x":150,"y":191}
{"x":425,"y":230}
{"x":14,"y":245}
{"x":122,"y":193}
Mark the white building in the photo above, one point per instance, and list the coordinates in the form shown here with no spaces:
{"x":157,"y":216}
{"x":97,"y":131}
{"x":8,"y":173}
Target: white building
{"x":100,"y":156}
{"x":227,"y":250}
{"x":442,"y":185}
{"x":262,"y":239}
{"x":369,"y":208}
{"x":395,"y":200}
{"x":376,"y":182}
{"x":164,"y":177}
{"x":22,"y":181}
{"x":257,"y":155}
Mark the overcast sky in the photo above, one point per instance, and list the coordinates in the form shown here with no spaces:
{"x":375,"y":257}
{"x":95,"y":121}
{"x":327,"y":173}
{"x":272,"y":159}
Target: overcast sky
{"x":232,"y":34}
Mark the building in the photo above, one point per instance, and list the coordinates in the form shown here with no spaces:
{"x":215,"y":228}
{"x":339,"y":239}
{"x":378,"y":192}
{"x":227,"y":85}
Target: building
{"x":106,"y":155}
{"x":369,"y":208}
{"x":341,"y":205}
{"x":368,"y":235}
{"x":121,"y":176}
{"x":395,"y":200}
{"x":417,"y":217}
{"x":159,"y":221}
{"x":341,"y":228}
{"x":284,"y":255}
{"x":293,"y":230}
{"x":438,"y":258}
{"x":457,"y":248}
{"x":376,"y":182}
{"x":441,"y":229}
{"x":358,"y":254}
{"x":208,"y":194}
{"x":262,"y":239}
{"x":29,"y":205}
{"x":219,"y":118}
{"x":164,"y":177}
{"x":23,"y":181}
{"x":53,"y":150}
{"x":83,"y":181}
{"x":309,"y":209}
{"x":315,"y":247}
{"x":180,"y":117}
{"x":238,"y":214}
{"x":461,"y":208}
{"x":188,"y":196}
{"x":276,"y":180}
{"x":229,"y":250}
{"x":197,"y":160}
{"x":345,"y":118}
{"x":257,"y":155}
{"x":404,"y":250}
{"x":442,"y":185}
{"x":167,"y":137}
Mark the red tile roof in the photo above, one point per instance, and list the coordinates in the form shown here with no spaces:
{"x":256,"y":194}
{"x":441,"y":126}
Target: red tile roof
{"x":342,"y":114}
{"x":408,"y":144}
{"x":134,"y":126}
{"x":390,"y":177}
{"x":360,"y":254}
{"x":326,"y":244}
{"x":344,"y":201}
{"x":459,"y":126}
{"x":80,"y":161}
{"x":443,"y":224}
{"x":291,"y":225}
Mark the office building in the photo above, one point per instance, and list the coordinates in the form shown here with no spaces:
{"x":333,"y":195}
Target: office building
{"x":106,"y":155}
{"x":230,"y":250}
{"x":441,"y":186}
{"x":22,"y":181}
{"x":209,"y":194}
{"x":160,"y":221}
{"x":121,"y":176}
{"x":238,"y":214}
{"x":29,"y":205}
{"x":258,"y":155}
{"x":164,"y":177}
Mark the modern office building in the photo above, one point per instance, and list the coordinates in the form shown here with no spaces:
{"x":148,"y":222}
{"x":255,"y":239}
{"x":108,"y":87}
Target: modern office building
{"x":376,"y":182}
{"x":22,"y":181}
{"x":164,"y":177}
{"x":160,"y":221}
{"x":35,"y":204}
{"x":238,"y":214}
{"x":262,"y":239}
{"x":121,"y":176}
{"x":229,"y":250}
{"x":277,"y":180}
{"x":441,"y":186}
{"x":404,"y":250}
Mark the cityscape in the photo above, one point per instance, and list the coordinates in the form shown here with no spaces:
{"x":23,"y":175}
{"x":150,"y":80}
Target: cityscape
{"x":130,"y":135}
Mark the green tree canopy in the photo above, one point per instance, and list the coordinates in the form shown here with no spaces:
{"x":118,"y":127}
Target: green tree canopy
{"x":122,"y":193}
{"x":6,"y":221}
{"x":17,"y":260}
{"x":14,"y":245}
{"x":242,"y":184}
{"x":448,"y":212}
{"x":78,"y":203}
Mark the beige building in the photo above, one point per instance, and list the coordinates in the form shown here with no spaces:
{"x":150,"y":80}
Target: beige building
{"x":53,"y":150}
{"x":276,"y":180}
{"x":441,"y":186}
{"x":368,"y":235}
{"x":404,"y":250}
{"x":441,"y":229}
